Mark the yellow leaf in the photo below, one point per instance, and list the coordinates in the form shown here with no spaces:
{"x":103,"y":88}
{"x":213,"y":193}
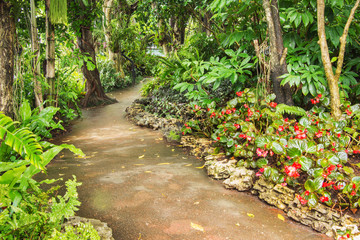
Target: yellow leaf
{"x":281,"y":217}
{"x":164,"y":163}
{"x":237,"y":224}
{"x":197,"y":227}
{"x":184,"y":158}
{"x":196,"y":203}
{"x":201,"y":166}
{"x":60,"y":174}
{"x":142,"y":140}
{"x":251,"y":215}
{"x":172,"y":149}
{"x":139,"y":164}
{"x":142,"y":156}
{"x":147,"y":171}
{"x":94,"y":152}
{"x":188,"y":165}
{"x":66,"y":141}
{"x":61,"y":156}
{"x":122,"y":166}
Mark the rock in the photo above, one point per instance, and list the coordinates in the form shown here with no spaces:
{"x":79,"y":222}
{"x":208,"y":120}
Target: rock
{"x":276,"y":195}
{"x":241,"y":179}
{"x":102,"y":228}
{"x":220,"y":169}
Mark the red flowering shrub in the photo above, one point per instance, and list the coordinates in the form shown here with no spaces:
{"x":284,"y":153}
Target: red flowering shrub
{"x":310,"y":152}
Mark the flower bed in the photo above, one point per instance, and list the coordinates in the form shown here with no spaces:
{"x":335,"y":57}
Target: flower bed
{"x":267,"y":152}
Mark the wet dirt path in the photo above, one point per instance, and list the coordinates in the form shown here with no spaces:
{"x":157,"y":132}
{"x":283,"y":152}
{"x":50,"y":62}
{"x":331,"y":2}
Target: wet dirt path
{"x":146,"y":189}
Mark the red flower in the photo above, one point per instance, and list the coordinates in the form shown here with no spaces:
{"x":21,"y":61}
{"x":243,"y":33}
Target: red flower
{"x":296,"y":165}
{"x":302,"y":200}
{"x":262,"y":170}
{"x":348,"y":112}
{"x":237,"y":126}
{"x":218,"y":138}
{"x":228,"y":111}
{"x":331,"y":168}
{"x":281,"y":128}
{"x":246,"y":106}
{"x":319,"y":96}
{"x":324,"y":199}
{"x":242,"y":135}
{"x":273,"y":104}
{"x":319,"y":134}
{"x":301,"y":136}
{"x":250,"y":113}
{"x":354,"y":186}
{"x":306,"y":193}
{"x":339,"y":166}
{"x":353,"y":193}
{"x":239,"y":93}
{"x":291,"y":171}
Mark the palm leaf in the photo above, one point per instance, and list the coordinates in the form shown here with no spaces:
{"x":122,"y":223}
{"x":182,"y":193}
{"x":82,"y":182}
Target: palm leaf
{"x":22,"y":141}
{"x":292,"y":110}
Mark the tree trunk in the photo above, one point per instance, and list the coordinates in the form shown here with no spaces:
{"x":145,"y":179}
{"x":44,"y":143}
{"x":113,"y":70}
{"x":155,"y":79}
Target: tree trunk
{"x":333,"y":80}
{"x":277,"y":53}
{"x":7,"y":40}
{"x":108,"y":4}
{"x":50,"y":57}
{"x":95,"y":94}
{"x":36,"y":60}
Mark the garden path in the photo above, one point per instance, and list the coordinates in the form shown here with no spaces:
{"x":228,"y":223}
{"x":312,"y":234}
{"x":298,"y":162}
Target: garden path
{"x":146,"y":189}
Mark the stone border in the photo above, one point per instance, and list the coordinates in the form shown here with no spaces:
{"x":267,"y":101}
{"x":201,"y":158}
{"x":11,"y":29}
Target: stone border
{"x":322,"y":218}
{"x":104,"y":231}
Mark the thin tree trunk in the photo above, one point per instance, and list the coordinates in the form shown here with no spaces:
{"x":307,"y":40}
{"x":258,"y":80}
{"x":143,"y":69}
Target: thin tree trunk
{"x":333,"y":80}
{"x":36,"y":60}
{"x":7,"y":40}
{"x":108,"y":4}
{"x":277,"y":53}
{"x":50,"y":56}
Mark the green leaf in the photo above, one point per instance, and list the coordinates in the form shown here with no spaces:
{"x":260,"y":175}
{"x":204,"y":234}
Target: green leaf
{"x":261,"y":162}
{"x":261,"y":142}
{"x":25,"y":111}
{"x":293,"y":152}
{"x":348,"y":170}
{"x":306,"y":163}
{"x":304,"y":121}
{"x":277,"y":148}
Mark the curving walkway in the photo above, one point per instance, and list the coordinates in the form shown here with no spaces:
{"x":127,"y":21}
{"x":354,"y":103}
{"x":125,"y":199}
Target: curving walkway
{"x":146,"y":189}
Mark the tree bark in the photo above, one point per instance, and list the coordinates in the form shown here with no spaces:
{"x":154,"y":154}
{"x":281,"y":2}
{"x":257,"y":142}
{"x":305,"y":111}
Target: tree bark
{"x":7,"y":42}
{"x":50,"y":57}
{"x":36,"y":60}
{"x":277,"y":53}
{"x":333,"y":80}
{"x":108,"y":5}
{"x":95,"y":94}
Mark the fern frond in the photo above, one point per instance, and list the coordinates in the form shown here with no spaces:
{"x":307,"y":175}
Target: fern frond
{"x":292,"y":110}
{"x":22,"y":141}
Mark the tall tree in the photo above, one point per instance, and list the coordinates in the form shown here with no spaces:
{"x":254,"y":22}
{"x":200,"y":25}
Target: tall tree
{"x":333,"y":79}
{"x":7,"y":40}
{"x":50,"y":55}
{"x":83,"y":22}
{"x":36,"y":59}
{"x":277,"y":52}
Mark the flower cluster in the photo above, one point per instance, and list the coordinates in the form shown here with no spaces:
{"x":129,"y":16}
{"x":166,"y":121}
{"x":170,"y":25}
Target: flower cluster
{"x":291,"y":171}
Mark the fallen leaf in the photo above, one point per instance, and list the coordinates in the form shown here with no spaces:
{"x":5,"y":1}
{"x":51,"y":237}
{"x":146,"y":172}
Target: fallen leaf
{"x":66,"y":141}
{"x":122,"y":166}
{"x":142,"y":156}
{"x":62,"y":156}
{"x":172,"y":149}
{"x":196,"y":203}
{"x":142,"y":140}
{"x":148,"y":172}
{"x":250,"y":215}
{"x":164,"y":163}
{"x":139,"y":164}
{"x":78,"y":165}
{"x":60,"y":174}
{"x":163,"y":195}
{"x":201,"y":166}
{"x":197,"y":227}
{"x":184,"y":158}
{"x":94,"y":152}
{"x":237,"y":224}
{"x":281,"y":217}
{"x":188,"y":165}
